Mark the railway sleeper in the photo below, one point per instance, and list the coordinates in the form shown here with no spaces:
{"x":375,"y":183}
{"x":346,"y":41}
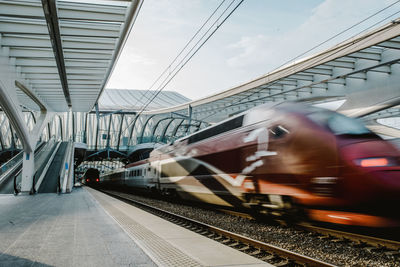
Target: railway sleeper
{"x":255,"y":252}
{"x":244,"y":248}
{"x":285,"y":263}
{"x":235,"y":244}
{"x":193,"y":228}
{"x":268,"y":256}
{"x":203,"y":232}
{"x":215,"y":236}
{"x":226,"y":241}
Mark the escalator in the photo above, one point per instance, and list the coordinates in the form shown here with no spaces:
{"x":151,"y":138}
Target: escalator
{"x":12,"y":167}
{"x":50,"y":181}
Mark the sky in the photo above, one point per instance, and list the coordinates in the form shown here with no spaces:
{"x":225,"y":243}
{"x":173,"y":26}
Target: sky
{"x":258,"y":37}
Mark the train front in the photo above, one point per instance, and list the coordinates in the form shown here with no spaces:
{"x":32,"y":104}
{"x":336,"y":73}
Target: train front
{"x":368,"y":181}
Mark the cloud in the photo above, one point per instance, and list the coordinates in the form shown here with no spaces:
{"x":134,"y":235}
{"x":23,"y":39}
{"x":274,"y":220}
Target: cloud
{"x":250,"y":50}
{"x":259,"y":51}
{"x":256,"y":39}
{"x":141,"y":59}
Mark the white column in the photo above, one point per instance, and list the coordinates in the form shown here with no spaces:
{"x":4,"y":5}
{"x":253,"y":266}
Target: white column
{"x":28,"y":169}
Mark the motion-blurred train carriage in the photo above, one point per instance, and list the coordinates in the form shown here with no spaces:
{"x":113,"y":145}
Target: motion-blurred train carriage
{"x":280,"y":158}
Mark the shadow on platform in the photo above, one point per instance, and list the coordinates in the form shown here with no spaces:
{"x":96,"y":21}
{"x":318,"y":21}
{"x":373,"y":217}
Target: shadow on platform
{"x":9,"y":260}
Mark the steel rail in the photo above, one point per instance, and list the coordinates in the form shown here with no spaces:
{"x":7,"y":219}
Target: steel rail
{"x":358,"y":238}
{"x":353,"y":237}
{"x":292,"y":257}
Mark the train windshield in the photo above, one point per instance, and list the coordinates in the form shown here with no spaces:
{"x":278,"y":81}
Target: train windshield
{"x":339,"y":124}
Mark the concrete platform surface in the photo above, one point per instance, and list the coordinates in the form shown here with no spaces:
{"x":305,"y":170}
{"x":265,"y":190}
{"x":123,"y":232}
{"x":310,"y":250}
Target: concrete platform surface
{"x":169,"y":244}
{"x":89,"y":228}
{"x":63,"y":230}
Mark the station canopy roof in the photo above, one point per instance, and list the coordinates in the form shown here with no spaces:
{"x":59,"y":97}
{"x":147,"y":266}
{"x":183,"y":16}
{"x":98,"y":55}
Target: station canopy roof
{"x":64,"y":51}
{"x":132,"y":100}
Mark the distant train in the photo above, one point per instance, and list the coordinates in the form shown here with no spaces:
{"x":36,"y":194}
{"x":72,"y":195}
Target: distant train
{"x":280,"y":159}
{"x":91,"y":176}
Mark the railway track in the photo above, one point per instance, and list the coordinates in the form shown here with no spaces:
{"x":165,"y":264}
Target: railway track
{"x":370,"y":243}
{"x":266,"y":252}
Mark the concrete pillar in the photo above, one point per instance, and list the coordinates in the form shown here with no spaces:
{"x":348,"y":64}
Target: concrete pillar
{"x":28,"y":170}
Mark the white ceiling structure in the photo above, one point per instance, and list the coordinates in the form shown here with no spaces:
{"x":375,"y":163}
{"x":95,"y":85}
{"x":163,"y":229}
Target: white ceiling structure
{"x":64,"y":51}
{"x":129,"y":100}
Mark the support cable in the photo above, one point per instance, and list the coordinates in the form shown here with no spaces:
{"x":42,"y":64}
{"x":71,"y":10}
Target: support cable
{"x":168,"y":80}
{"x":179,"y":54}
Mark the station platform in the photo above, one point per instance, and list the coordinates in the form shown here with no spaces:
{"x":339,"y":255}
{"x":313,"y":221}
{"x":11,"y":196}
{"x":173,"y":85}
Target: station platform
{"x":89,"y":228}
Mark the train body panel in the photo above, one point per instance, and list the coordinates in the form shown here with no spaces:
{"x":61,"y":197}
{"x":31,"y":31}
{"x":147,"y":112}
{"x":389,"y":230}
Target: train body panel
{"x":276,"y":157}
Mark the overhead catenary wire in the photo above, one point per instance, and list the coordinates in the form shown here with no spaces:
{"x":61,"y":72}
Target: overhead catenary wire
{"x":180,"y":52}
{"x":182,"y":63}
{"x":192,"y":55}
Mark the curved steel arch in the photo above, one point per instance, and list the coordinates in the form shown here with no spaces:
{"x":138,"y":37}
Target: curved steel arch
{"x":177,"y":127}
{"x":120,"y":131}
{"x":144,"y":126}
{"x":157,"y":124}
{"x":132,"y":127}
{"x":166,"y":128}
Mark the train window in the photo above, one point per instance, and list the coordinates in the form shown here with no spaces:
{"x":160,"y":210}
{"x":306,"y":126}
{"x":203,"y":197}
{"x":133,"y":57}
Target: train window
{"x":279,"y":131}
{"x":339,"y":124}
{"x":217,"y":129}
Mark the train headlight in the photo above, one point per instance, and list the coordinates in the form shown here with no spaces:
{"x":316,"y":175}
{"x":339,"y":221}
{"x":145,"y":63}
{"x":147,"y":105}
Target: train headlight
{"x":374,"y":162}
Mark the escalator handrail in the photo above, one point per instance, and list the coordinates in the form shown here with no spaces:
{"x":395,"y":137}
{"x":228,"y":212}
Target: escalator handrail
{"x":16,"y":161}
{"x":17,"y":158}
{"x":4,"y":167}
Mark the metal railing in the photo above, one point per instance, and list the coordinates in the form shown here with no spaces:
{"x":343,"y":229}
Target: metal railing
{"x":11,"y":163}
{"x":15,"y":162}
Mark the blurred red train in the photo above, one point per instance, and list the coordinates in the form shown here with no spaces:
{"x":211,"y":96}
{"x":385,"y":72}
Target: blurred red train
{"x":280,"y":159}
